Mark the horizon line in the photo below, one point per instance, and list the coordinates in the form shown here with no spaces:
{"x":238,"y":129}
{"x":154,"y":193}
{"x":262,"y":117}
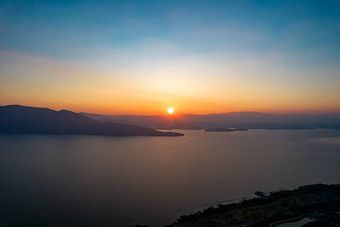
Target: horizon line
{"x":179,"y":114}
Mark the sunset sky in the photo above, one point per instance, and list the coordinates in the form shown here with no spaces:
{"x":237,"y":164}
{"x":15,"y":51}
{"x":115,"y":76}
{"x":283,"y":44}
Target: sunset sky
{"x":141,"y":57}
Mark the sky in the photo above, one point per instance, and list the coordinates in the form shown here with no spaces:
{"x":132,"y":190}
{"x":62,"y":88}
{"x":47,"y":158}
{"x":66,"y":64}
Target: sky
{"x":141,"y":57}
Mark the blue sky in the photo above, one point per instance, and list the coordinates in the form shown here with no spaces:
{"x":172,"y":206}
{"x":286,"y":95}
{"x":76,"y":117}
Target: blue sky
{"x":294,"y":37}
{"x":63,"y":28}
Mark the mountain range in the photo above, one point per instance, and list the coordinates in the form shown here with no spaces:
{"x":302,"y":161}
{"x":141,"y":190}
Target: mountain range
{"x":16,"y":119}
{"x":250,"y":120}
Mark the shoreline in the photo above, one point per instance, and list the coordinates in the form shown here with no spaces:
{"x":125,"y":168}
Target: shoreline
{"x":317,"y":200}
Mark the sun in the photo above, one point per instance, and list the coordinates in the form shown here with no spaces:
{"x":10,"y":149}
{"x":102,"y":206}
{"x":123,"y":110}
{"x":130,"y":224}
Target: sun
{"x":170,"y":110}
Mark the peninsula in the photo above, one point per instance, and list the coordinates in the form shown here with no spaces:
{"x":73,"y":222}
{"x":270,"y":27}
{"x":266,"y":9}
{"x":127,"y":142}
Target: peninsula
{"x":16,"y":119}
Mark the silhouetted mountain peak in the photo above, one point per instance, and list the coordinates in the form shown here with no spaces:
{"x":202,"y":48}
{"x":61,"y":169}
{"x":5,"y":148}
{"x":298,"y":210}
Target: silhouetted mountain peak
{"x":65,"y":111}
{"x":16,"y":119}
{"x":24,"y":108}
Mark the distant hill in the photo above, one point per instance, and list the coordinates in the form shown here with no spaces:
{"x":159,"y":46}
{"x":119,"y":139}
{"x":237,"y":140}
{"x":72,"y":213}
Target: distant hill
{"x":250,"y":120}
{"x":16,"y":119}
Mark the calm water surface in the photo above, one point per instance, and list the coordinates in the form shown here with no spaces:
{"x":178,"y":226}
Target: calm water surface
{"x":106,"y":181}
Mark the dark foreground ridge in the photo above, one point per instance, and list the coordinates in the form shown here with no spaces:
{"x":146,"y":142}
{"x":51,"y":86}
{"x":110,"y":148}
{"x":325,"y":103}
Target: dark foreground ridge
{"x":320,"y":203}
{"x":16,"y":119}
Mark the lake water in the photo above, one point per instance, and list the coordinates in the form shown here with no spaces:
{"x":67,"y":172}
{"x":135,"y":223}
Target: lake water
{"x":296,"y":223}
{"x":48,"y":180}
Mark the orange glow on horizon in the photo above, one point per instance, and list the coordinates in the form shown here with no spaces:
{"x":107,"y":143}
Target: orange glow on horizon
{"x":60,"y":85}
{"x":182,"y":107}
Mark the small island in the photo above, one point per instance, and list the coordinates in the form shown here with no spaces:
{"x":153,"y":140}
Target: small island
{"x":225,"y":129}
